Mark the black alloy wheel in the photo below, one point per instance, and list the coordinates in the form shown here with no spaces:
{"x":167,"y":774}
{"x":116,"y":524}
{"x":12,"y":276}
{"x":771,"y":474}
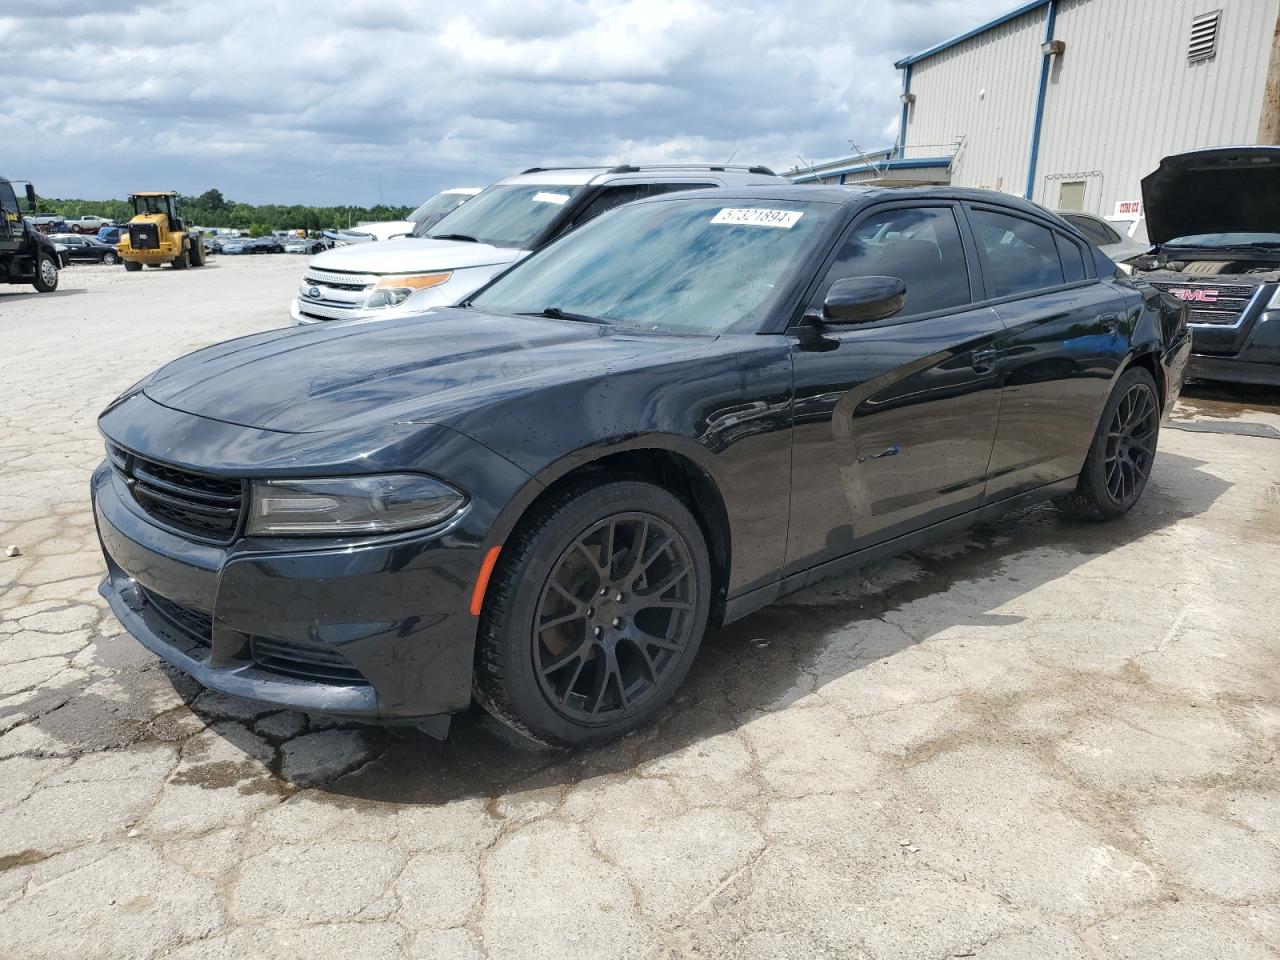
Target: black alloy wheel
{"x":1123,"y":451}
{"x":1131,"y":442}
{"x":594,"y":613}
{"x":613,"y":617}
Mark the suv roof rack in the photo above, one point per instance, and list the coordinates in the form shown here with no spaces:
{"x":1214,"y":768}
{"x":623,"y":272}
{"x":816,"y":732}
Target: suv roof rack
{"x":632,"y":168}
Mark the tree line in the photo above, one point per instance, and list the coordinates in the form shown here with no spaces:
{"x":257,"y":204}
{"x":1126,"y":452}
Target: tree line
{"x":211,"y":209}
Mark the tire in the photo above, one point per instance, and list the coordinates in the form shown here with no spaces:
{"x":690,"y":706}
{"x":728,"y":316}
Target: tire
{"x":197,"y":254}
{"x":110,"y":258}
{"x":46,"y":280}
{"x":183,"y":260}
{"x":132,"y":266}
{"x":1123,"y":450}
{"x":601,"y":667}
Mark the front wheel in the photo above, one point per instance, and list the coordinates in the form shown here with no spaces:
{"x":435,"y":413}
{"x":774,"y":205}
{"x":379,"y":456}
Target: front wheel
{"x":182,"y":261}
{"x":594,"y":614}
{"x":132,"y":266}
{"x":1124,"y":448}
{"x":110,"y":258}
{"x":197,"y":253}
{"x":46,"y":280}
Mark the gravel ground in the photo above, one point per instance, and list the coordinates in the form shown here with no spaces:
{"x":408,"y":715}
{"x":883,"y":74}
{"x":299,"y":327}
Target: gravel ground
{"x":1041,"y":739}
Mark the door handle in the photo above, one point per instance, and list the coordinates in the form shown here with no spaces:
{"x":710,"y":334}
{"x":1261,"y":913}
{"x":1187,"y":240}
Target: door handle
{"x":984,"y":361}
{"x":1110,"y":322}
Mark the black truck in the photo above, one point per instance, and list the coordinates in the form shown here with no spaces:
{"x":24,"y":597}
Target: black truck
{"x":26,"y":255}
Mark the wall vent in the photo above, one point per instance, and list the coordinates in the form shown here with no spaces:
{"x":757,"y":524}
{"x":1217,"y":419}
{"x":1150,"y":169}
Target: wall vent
{"x":1203,"y":44}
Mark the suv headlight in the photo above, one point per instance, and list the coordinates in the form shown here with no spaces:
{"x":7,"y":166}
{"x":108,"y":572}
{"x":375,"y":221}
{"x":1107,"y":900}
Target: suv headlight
{"x":393,"y":291}
{"x":383,"y":503}
{"x":1274,"y":302}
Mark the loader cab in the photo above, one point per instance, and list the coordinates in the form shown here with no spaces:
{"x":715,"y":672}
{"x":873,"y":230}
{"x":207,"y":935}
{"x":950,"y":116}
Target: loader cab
{"x":152,"y":204}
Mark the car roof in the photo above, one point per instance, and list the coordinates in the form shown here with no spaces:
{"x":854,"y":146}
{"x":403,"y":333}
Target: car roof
{"x":582,"y":176}
{"x":860,"y":195}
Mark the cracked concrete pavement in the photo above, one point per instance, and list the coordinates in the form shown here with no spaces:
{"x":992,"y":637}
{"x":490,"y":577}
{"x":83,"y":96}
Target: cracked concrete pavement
{"x":1042,"y":738}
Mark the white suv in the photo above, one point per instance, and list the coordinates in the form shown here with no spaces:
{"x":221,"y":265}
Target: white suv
{"x":506,"y":222}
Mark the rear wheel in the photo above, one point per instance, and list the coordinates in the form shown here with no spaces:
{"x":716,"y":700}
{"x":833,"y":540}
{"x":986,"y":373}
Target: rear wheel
{"x":46,"y":280}
{"x":594,"y":614}
{"x":110,"y":257}
{"x":1124,"y":448}
{"x":132,"y":266}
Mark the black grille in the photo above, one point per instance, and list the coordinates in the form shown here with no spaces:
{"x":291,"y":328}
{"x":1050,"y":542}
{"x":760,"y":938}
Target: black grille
{"x":1219,"y":304}
{"x":190,"y":623}
{"x":197,"y":504}
{"x":144,"y":236}
{"x":321,"y":664}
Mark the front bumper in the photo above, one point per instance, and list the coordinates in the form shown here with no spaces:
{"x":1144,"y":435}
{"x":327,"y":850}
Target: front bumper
{"x":370,"y":630}
{"x":1253,"y":357}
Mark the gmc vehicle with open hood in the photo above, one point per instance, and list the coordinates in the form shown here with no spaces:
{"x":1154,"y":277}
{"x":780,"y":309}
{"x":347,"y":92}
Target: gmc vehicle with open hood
{"x":1214,"y":219}
{"x":439,"y":266}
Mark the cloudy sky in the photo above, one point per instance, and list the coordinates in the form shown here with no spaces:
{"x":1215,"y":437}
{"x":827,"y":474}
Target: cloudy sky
{"x":310,"y":101}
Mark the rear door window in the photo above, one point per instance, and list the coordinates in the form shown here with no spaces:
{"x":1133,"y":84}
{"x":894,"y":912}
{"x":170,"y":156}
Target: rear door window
{"x":1018,"y":256}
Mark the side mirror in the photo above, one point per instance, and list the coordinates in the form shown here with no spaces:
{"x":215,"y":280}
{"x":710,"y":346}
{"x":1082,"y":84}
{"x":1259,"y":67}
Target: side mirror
{"x":863,"y":299}
{"x":31,"y":198}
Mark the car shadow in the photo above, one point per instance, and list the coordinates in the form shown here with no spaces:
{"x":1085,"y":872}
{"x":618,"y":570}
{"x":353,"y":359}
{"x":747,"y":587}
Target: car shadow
{"x":8,"y":296}
{"x":768,"y":660}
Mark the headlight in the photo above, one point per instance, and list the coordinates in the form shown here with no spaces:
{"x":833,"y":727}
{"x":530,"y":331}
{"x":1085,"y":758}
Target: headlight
{"x":352,"y":505}
{"x":1274,"y":302}
{"x":393,"y":291}
{"x":1125,"y":268}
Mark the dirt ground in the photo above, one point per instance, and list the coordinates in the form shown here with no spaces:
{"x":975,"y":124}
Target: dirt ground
{"x":1041,"y":739}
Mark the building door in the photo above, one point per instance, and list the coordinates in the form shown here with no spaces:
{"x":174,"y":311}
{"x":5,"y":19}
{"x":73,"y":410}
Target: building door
{"x":1071,"y":195}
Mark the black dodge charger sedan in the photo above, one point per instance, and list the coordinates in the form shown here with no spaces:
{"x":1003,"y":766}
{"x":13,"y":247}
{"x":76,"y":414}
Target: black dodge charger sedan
{"x":688,"y":408}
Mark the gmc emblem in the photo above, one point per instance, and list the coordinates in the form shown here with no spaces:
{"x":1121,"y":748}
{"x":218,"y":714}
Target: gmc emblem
{"x":1196,"y":296}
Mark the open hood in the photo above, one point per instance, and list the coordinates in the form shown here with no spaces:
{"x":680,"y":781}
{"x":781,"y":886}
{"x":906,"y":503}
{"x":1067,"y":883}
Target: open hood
{"x":1221,"y":190}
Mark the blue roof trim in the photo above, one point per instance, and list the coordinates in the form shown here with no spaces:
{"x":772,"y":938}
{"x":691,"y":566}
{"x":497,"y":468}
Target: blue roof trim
{"x":1011,"y":15}
{"x":922,"y":162}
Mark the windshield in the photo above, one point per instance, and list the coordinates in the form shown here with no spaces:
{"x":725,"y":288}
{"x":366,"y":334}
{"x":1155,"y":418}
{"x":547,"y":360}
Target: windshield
{"x":504,"y":215}
{"x":676,"y":266}
{"x":150,"y":205}
{"x":1226,"y":240}
{"x":437,"y":207}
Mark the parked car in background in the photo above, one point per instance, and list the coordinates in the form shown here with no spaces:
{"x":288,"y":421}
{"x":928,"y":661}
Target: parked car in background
{"x":1105,"y":237}
{"x":487,"y":234}
{"x":234,"y":245}
{"x":1214,"y":217}
{"x":47,"y":224}
{"x":691,"y":407}
{"x":308,"y":245}
{"x":86,"y":249}
{"x":88,"y":224}
{"x":271,"y":244}
{"x":424,"y":217}
{"x":109,"y":235}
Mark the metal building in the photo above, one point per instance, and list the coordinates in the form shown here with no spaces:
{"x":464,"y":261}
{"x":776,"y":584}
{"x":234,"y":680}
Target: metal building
{"x":1071,"y":102}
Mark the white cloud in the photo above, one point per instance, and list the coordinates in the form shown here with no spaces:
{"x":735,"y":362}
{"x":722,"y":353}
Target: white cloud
{"x":322,"y":101}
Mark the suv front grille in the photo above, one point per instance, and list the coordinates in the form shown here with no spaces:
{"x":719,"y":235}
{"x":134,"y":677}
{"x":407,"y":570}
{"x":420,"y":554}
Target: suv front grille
{"x":1215,"y":304}
{"x":333,"y":295}
{"x":196,"y":504}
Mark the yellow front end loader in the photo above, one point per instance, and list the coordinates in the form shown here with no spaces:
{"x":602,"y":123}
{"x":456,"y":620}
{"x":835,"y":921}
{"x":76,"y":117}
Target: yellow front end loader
{"x":156,"y":235}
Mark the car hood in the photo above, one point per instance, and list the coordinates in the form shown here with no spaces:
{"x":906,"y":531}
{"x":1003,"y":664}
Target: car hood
{"x":413,"y":255}
{"x":386,"y":229}
{"x":1223,"y":190}
{"x":430,"y":368}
